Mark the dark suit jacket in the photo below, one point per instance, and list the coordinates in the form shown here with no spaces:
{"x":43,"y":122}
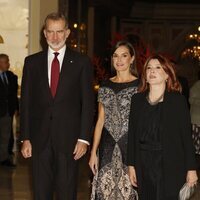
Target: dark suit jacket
{"x":66,"y":117}
{"x":8,"y":96}
{"x":175,"y":126}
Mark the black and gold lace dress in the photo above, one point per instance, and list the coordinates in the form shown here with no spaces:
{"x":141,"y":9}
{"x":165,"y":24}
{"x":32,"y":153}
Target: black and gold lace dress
{"x":112,"y":181}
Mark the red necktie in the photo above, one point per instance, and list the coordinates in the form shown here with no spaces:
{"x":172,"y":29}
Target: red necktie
{"x":55,"y":71}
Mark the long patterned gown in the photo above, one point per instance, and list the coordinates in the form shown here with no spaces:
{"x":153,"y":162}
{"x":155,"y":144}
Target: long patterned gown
{"x":111,"y":182}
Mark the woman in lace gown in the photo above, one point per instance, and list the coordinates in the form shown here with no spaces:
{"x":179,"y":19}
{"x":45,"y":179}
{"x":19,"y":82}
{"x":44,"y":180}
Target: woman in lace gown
{"x":111,"y":180}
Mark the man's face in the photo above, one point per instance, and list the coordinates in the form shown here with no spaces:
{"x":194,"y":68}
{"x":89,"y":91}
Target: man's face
{"x":56,"y":34}
{"x":4,"y":64}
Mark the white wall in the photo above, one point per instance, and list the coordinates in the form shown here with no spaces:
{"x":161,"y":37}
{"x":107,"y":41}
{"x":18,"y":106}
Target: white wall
{"x":39,"y":9}
{"x":14,"y":30}
{"x":20,"y":25}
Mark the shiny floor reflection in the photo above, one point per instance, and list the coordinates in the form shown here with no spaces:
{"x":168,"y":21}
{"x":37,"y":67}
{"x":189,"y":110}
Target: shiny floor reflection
{"x":15,"y":182}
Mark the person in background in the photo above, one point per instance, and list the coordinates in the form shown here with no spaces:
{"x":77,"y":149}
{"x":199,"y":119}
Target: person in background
{"x":161,"y":156}
{"x":56,"y":112}
{"x":8,"y":107}
{"x":195,"y":116}
{"x":182,"y":80}
{"x":109,"y":150}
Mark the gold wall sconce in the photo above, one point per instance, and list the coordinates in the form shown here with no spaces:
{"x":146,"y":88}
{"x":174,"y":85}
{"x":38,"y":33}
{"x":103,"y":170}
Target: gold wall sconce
{"x":1,"y":40}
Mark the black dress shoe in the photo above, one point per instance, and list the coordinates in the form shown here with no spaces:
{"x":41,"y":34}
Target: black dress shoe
{"x":8,"y":163}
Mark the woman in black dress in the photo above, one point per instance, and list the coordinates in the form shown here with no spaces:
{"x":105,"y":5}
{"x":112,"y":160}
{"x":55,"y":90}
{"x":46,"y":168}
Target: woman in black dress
{"x":160,"y":152}
{"x":111,"y":180}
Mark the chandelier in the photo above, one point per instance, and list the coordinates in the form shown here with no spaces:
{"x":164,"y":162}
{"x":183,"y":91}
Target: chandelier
{"x":194,"y":50}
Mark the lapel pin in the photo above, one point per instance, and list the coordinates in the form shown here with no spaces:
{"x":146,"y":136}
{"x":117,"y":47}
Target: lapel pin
{"x":71,"y":61}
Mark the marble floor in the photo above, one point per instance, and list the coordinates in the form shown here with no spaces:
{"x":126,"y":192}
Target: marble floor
{"x":15,"y":182}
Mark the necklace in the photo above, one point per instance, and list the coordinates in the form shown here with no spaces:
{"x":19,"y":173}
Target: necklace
{"x":156,"y":101}
{"x":127,"y":80}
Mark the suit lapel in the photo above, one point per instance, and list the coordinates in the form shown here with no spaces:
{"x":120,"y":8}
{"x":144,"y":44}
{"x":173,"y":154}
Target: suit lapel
{"x":43,"y":68}
{"x":5,"y":85}
{"x":164,"y":114}
{"x":64,"y":71}
{"x":1,"y":82}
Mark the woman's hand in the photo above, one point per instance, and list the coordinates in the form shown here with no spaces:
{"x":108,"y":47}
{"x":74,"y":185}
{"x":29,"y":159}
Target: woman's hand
{"x":132,"y":176}
{"x":191,"y":178}
{"x":93,"y":163}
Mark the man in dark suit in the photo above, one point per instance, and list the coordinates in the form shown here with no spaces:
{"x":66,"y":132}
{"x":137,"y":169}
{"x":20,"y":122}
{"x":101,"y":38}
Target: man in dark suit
{"x":8,"y":106}
{"x":56,"y":112}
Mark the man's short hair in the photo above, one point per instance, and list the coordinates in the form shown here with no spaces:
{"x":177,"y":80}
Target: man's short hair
{"x":56,"y":16}
{"x":2,"y":55}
